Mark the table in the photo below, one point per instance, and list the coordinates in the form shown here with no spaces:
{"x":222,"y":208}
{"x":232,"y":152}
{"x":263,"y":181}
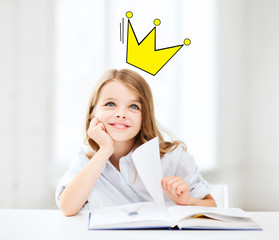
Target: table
{"x":52,"y":224}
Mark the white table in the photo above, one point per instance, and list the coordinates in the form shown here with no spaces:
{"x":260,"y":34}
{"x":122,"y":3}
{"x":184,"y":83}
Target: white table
{"x":52,"y":224}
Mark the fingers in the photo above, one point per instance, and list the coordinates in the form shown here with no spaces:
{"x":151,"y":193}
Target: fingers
{"x":174,"y":185}
{"x":97,"y":132}
{"x":95,"y":127}
{"x":182,"y":188}
{"x":94,"y":122}
{"x":166,"y":183}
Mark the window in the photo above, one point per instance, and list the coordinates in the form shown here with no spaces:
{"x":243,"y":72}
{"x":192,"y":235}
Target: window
{"x":184,"y":91}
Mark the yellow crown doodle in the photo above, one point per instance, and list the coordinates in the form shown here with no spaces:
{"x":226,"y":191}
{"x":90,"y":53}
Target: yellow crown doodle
{"x":144,"y":55}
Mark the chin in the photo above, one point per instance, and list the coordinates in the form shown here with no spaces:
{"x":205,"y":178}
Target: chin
{"x":119,"y":138}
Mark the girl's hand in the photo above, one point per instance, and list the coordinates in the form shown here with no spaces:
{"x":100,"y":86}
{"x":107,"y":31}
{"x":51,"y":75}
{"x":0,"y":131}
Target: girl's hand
{"x":177,"y":190}
{"x":97,"y":132}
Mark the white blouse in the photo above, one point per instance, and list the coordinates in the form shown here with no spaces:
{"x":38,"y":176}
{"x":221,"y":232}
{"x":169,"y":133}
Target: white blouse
{"x":125,"y":186}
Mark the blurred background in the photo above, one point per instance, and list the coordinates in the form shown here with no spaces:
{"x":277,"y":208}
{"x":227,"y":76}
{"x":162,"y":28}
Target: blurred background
{"x":219,"y":94}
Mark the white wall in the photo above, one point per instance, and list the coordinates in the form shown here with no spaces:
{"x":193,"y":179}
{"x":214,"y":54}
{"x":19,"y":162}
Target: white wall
{"x":261,"y":155}
{"x":230,"y":83}
{"x":248,"y":126}
{"x":26,"y":75}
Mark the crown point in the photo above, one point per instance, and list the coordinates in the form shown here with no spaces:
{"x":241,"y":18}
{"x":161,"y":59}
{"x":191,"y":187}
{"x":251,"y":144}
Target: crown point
{"x":129,"y":14}
{"x":157,"y":22}
{"x":187,"y":41}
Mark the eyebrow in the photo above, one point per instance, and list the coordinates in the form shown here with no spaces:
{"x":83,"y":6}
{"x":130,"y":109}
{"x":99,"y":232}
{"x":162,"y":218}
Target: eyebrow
{"x":114,"y":99}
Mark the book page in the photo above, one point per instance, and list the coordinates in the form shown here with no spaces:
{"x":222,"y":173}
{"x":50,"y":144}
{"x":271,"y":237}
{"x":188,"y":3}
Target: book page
{"x":130,"y":213}
{"x":148,"y":164}
{"x":207,"y":223}
{"x":181,"y":212}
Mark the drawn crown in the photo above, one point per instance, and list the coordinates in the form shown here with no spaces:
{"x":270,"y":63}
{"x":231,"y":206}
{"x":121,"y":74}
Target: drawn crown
{"x":144,"y":55}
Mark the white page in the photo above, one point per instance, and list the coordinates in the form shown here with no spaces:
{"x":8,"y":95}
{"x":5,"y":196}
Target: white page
{"x":147,"y":211}
{"x":181,"y":212}
{"x":148,"y":164}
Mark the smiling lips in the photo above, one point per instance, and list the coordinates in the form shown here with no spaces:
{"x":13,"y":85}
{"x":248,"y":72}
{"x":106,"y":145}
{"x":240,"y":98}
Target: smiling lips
{"x":119,"y":125}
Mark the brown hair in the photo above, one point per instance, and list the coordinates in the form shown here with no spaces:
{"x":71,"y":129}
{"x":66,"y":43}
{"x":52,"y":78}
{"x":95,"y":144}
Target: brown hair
{"x":140,"y":87}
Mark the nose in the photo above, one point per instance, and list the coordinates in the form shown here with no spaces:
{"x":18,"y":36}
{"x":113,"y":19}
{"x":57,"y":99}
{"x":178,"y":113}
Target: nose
{"x":121,"y":114}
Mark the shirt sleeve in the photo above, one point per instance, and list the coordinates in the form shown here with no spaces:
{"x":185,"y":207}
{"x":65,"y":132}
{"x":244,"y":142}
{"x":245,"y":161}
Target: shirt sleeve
{"x":77,"y":164}
{"x":188,"y":170}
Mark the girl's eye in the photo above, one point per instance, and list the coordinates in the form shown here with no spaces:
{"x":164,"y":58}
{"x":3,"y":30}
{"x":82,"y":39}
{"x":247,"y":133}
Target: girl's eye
{"x":110,"y":104}
{"x":134,"y":106}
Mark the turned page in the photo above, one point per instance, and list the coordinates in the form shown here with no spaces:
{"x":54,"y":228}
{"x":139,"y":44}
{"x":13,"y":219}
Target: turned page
{"x":148,"y":164}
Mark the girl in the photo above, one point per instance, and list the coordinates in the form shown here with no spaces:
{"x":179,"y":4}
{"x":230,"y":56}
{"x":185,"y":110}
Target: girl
{"x":120,"y":118}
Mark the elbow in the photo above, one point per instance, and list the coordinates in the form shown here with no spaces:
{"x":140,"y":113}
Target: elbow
{"x":69,"y":214}
{"x":67,"y":211}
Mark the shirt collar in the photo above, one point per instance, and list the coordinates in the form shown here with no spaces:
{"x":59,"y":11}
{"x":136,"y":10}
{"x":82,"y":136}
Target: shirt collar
{"x":126,"y":158}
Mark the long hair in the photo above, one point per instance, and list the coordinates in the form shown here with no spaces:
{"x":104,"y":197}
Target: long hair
{"x":136,"y":83}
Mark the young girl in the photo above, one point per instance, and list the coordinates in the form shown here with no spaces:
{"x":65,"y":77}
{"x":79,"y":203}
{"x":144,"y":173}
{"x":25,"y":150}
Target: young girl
{"x":120,"y":118}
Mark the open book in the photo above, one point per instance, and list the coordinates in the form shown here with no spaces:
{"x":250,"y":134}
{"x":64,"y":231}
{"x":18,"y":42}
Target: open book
{"x":156,"y":214}
{"x":147,"y":215}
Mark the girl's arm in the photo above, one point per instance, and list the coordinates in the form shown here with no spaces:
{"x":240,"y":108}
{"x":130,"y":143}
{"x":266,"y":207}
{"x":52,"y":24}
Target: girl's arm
{"x":208,"y":201}
{"x":178,"y":191}
{"x":77,"y":191}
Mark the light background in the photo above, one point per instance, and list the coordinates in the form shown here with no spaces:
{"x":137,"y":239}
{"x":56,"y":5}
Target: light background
{"x":219,"y":95}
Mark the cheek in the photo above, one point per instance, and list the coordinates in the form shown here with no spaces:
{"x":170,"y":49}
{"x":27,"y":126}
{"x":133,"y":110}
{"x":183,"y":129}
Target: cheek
{"x":101,"y":115}
{"x":139,"y":121}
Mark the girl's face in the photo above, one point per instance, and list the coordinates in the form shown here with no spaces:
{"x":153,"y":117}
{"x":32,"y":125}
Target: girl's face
{"x":120,"y":111}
